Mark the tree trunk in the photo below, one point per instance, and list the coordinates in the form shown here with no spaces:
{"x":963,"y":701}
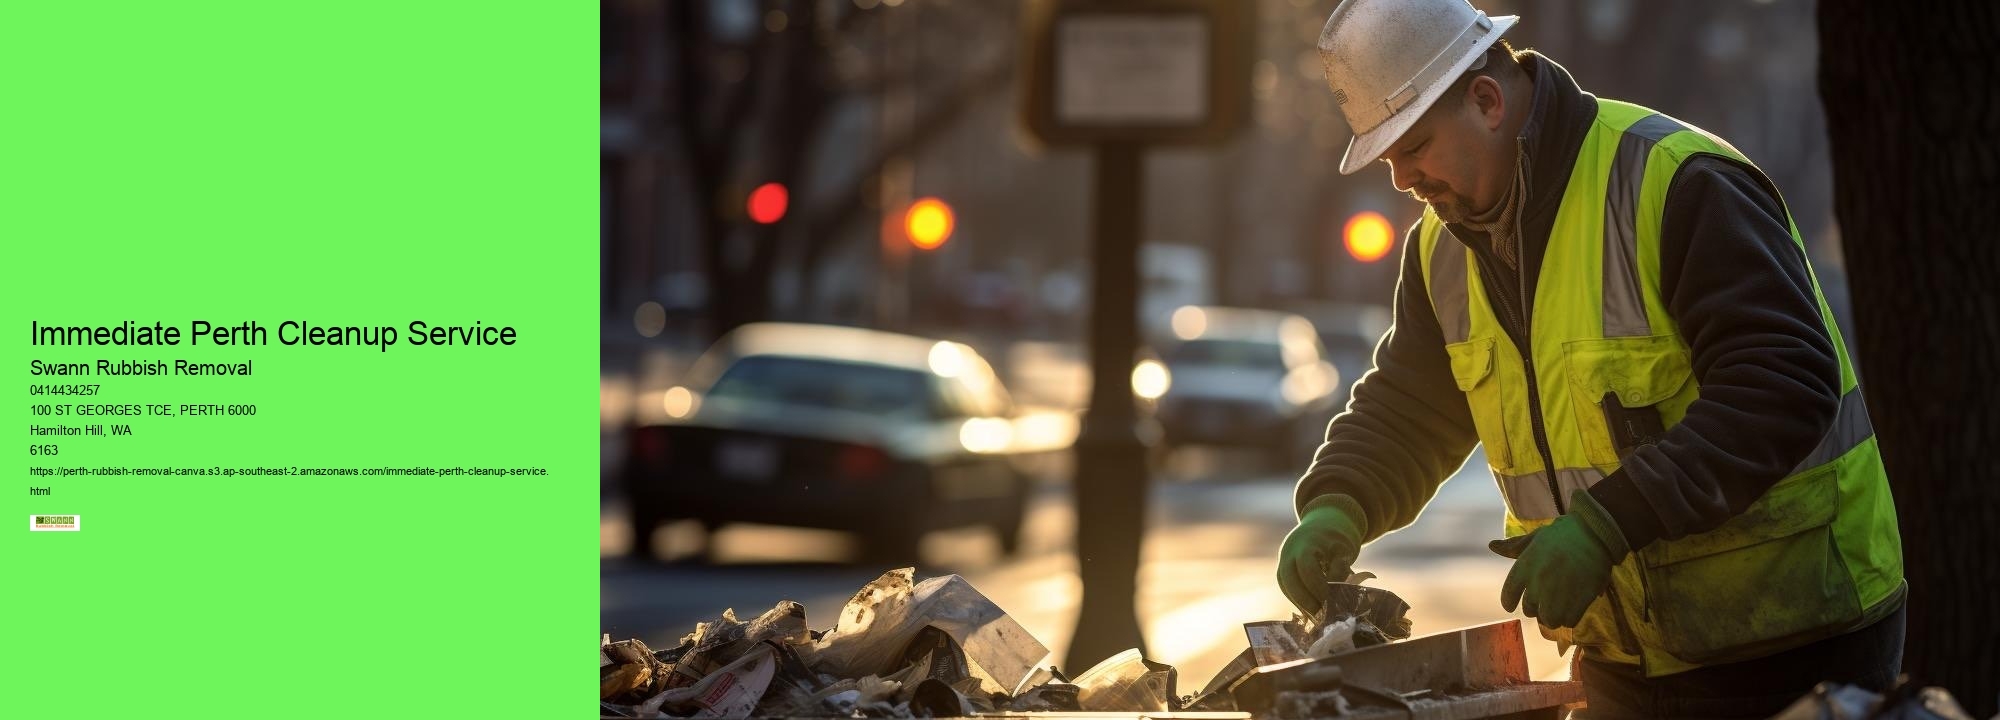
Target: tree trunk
{"x":711,"y":117}
{"x":1913,"y":114}
{"x":825,"y":226}
{"x":795,"y":63}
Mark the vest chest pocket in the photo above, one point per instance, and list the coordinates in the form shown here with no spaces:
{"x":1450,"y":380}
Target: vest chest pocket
{"x":1647,"y":374}
{"x":1472,"y":367}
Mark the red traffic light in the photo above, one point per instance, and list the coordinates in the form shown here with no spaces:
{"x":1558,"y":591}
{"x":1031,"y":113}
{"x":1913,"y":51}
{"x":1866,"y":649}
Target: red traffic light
{"x":767,"y":203}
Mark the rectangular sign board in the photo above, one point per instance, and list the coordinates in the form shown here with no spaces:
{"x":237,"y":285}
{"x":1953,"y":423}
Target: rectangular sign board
{"x":1125,"y":68}
{"x":1167,"y":72}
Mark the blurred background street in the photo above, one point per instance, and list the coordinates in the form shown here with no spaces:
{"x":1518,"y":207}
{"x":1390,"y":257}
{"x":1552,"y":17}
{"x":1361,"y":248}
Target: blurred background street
{"x":1207,"y":568}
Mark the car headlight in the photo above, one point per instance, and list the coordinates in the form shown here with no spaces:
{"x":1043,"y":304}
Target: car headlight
{"x":1150,"y":379}
{"x":680,"y":402}
{"x":1302,"y":386}
{"x":986,"y":435}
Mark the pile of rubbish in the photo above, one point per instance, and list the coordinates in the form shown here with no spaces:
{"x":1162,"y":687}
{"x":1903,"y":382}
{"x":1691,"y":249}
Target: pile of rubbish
{"x":938,"y":648}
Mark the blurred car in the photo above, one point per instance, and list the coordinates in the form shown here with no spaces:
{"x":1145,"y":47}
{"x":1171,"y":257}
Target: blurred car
{"x":885,"y":435}
{"x":1349,"y":332}
{"x":1247,"y":378}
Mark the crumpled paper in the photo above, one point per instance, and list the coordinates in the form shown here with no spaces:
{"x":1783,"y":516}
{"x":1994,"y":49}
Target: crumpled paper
{"x":1275,"y":641}
{"x":1052,"y":696}
{"x":1127,"y":682}
{"x":1334,"y":638}
{"x":878,"y":623}
{"x":731,"y":691}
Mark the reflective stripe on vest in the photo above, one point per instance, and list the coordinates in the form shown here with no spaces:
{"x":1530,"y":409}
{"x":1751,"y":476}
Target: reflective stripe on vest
{"x":1528,"y":494}
{"x":1448,"y":289}
{"x":1851,"y":427}
{"x":1624,"y":306}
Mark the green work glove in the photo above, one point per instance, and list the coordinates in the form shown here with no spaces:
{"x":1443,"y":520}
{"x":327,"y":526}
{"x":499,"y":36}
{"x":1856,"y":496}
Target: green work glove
{"x":1320,"y":550}
{"x":1560,"y":569}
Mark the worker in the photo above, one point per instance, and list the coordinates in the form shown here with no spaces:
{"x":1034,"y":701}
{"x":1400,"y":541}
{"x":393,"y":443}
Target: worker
{"x":1617,"y":305}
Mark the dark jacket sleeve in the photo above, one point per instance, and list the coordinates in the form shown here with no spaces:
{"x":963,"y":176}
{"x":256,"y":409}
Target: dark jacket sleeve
{"x":1737,"y":284}
{"x":1407,"y":428}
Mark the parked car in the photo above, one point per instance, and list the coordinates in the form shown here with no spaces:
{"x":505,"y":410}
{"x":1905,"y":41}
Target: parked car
{"x":885,"y":435}
{"x":1349,"y":332}
{"x":1244,"y":377}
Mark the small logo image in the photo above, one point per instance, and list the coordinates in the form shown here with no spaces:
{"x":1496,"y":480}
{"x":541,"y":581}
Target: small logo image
{"x":55,"y":523}
{"x":1339,"y":96}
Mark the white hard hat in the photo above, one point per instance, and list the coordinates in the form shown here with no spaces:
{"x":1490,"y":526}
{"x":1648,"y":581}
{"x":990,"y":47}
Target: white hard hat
{"x":1389,"y":60}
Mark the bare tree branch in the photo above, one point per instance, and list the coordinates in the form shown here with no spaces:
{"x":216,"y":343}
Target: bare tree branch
{"x":941,"y":117}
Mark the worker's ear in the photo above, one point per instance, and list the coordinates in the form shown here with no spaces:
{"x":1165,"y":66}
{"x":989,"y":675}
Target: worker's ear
{"x":1488,"y":100}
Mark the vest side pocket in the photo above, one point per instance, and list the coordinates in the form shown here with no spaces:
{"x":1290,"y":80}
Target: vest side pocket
{"x":1765,"y":581}
{"x":1472,"y":368}
{"x":1646,"y":373}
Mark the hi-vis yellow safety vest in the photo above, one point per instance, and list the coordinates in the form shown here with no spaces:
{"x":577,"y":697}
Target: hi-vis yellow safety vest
{"x":1816,"y":556}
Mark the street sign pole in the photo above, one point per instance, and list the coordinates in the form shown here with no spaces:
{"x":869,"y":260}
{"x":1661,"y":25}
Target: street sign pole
{"x":1118,"y":76}
{"x":1110,"y":480}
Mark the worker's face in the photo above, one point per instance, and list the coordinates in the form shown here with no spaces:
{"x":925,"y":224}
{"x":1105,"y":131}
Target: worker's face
{"x":1455,"y":157}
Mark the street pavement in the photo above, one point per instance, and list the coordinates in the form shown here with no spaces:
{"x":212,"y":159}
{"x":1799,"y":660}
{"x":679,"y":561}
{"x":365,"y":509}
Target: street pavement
{"x":1207,"y":563}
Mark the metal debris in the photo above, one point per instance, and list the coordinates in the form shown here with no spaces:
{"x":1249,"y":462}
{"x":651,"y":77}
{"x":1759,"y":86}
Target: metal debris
{"x":1380,"y":615}
{"x":1310,"y":704}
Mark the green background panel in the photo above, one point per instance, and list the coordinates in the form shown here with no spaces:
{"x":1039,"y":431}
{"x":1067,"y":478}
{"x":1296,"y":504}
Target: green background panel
{"x":358,"y":163}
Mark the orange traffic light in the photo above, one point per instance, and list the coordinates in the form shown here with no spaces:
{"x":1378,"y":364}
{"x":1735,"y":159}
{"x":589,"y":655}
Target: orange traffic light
{"x":768,"y":202}
{"x":1368,"y":236}
{"x":928,"y":223}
